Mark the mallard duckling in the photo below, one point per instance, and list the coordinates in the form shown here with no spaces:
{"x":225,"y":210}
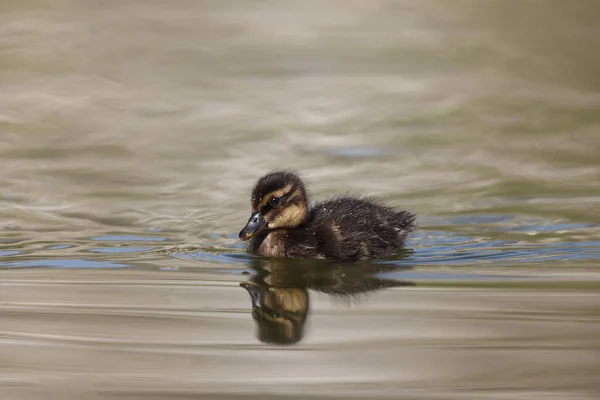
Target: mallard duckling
{"x":342,"y":228}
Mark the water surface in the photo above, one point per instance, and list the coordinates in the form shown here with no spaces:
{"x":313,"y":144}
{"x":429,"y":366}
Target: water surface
{"x":131,"y":134}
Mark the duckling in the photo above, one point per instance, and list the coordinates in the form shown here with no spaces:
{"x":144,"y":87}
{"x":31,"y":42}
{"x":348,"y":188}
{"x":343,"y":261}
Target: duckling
{"x":340,"y":228}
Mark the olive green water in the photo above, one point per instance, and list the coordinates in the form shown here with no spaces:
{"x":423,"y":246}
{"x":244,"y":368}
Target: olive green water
{"x":131,"y":134}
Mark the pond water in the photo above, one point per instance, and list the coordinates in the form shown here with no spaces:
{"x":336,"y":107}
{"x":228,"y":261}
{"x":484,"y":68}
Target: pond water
{"x":132,"y":132}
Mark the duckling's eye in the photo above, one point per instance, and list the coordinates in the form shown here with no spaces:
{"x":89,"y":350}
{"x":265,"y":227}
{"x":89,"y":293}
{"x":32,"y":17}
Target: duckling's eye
{"x":274,"y":201}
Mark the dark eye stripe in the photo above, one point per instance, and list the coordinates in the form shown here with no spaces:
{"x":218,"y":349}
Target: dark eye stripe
{"x":282,"y":192}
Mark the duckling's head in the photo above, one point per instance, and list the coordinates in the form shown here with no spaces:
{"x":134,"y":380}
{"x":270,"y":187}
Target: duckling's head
{"x":278,"y":202}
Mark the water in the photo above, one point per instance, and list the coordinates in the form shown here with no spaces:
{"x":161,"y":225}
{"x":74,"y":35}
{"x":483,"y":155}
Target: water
{"x":132,"y":132}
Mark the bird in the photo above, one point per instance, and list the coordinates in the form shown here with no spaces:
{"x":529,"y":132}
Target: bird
{"x":345,"y":228}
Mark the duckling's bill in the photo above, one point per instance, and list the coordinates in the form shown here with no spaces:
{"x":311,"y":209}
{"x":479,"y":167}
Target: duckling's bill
{"x":256,"y":224}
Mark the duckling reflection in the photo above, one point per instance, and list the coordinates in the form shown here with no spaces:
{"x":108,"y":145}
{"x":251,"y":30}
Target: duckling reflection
{"x":279,"y":312}
{"x":280,"y":297}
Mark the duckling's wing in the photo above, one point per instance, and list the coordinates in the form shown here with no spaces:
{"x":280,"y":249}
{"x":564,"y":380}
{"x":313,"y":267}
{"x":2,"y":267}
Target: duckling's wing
{"x":353,"y":227}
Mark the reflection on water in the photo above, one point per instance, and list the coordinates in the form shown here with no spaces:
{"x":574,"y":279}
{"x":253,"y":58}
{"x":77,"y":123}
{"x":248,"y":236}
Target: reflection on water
{"x":131,"y":133}
{"x":135,"y":333}
{"x":279,"y":291}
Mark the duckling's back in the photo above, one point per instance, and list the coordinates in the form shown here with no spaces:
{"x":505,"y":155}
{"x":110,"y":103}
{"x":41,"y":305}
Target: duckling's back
{"x":350,"y":228}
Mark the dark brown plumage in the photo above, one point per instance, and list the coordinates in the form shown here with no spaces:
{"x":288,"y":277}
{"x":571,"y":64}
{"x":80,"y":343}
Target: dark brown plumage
{"x":343,"y":228}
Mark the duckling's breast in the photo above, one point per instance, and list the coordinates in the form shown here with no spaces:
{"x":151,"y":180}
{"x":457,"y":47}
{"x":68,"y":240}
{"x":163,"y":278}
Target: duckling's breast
{"x":269,"y":244}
